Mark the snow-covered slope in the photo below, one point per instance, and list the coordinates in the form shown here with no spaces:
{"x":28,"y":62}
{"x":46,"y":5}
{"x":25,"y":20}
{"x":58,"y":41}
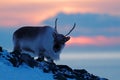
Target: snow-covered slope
{"x":12,"y":67}
{"x":22,"y":73}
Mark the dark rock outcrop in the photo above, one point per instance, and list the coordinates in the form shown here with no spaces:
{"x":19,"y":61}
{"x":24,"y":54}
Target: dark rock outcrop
{"x":60,"y":72}
{"x":1,"y":49}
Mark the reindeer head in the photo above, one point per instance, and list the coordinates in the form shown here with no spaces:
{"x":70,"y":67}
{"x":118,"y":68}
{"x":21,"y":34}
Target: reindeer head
{"x":60,"y":39}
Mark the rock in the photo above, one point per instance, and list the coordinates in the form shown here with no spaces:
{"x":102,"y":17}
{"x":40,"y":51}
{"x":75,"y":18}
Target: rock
{"x":17,"y":59}
{"x":1,"y":49}
{"x":66,"y":71}
{"x":59,"y":76}
{"x":79,"y":72}
{"x":14,"y":58}
{"x":64,"y":67}
{"x":28,"y":60}
{"x":47,"y":67}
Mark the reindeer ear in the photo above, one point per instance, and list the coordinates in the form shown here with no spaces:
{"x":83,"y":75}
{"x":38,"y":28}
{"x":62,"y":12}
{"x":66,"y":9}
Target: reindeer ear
{"x":67,"y":38}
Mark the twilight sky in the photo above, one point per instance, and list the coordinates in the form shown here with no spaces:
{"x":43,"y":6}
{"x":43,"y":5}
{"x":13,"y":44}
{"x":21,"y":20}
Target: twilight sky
{"x":98,"y":21}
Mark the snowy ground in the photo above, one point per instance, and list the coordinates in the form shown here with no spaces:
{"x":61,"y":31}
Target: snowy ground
{"x":23,"y":72}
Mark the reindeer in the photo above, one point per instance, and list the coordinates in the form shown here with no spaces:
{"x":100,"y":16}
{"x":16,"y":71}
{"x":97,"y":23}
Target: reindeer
{"x":40,"y":41}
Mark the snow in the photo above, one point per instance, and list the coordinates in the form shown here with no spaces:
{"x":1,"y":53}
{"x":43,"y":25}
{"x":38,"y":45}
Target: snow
{"x":24,"y":72}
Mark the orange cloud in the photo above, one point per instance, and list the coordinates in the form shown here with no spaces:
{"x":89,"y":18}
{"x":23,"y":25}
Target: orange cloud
{"x":95,"y":41}
{"x":33,"y":12}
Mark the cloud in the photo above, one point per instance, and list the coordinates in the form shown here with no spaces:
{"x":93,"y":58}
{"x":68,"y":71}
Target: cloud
{"x":32,"y":12}
{"x":24,"y":14}
{"x":87,"y":20}
{"x":87,"y":24}
{"x":94,"y":41}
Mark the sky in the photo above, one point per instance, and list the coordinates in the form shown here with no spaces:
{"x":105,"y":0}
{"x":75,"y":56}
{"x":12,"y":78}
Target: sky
{"x":97,"y":21}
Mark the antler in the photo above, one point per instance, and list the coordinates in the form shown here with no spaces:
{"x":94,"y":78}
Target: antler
{"x":71,"y":29}
{"x":56,"y":24}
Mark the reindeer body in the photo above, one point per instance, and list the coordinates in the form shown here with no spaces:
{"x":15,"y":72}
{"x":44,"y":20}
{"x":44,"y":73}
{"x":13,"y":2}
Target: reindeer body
{"x":40,"y":41}
{"x":36,"y":41}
